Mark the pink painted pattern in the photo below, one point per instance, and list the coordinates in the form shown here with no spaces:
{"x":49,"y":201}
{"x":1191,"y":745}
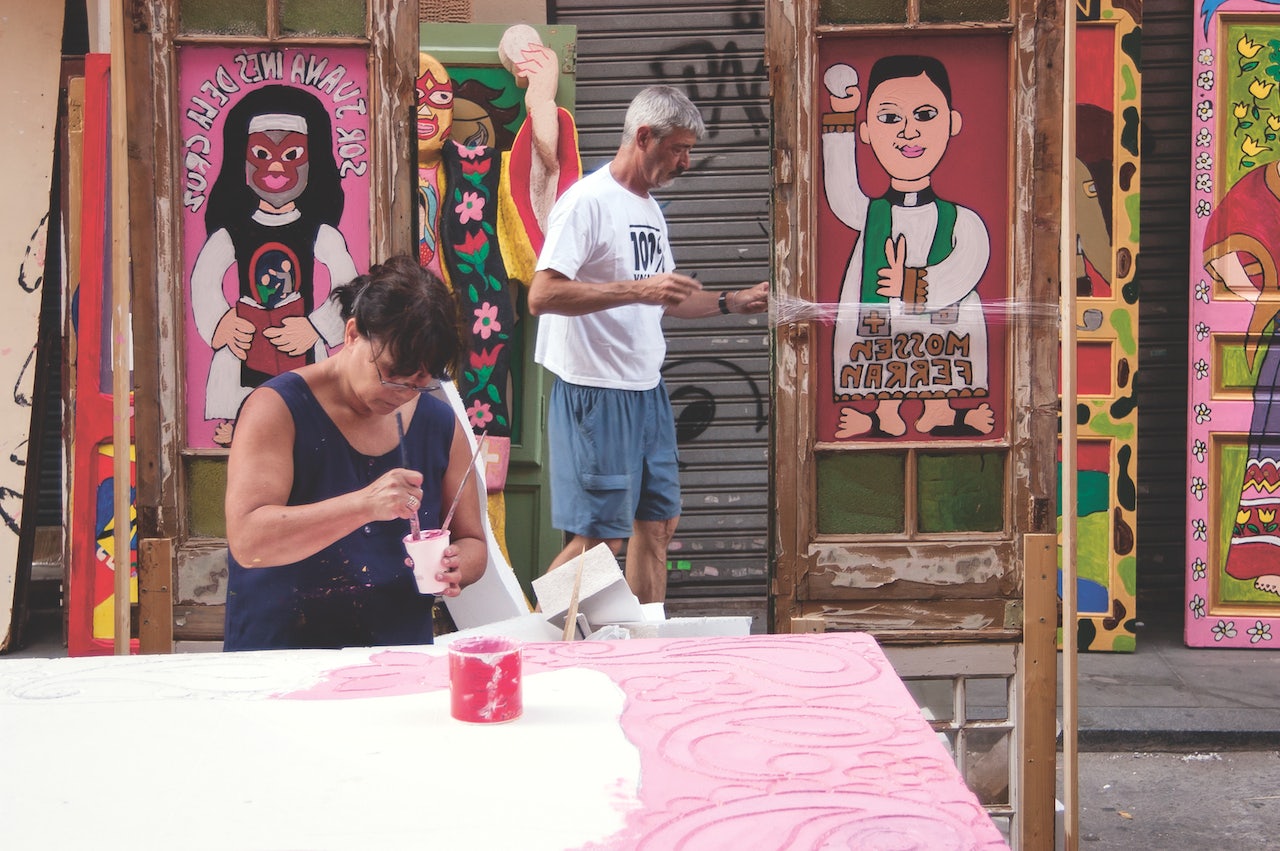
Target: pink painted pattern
{"x":759,"y":742}
{"x":1209,"y":621}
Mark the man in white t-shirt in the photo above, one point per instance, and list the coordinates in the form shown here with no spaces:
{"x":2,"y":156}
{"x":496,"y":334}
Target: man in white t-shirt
{"x":605,"y":278}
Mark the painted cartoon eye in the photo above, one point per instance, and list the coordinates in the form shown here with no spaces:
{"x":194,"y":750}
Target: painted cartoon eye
{"x":889,"y":118}
{"x":925,"y":113}
{"x":291,"y":154}
{"x":1090,"y":189}
{"x":441,"y":98}
{"x":258,"y":152}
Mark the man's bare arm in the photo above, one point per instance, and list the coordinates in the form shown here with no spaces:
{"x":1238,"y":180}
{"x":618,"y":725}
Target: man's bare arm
{"x":552,"y":292}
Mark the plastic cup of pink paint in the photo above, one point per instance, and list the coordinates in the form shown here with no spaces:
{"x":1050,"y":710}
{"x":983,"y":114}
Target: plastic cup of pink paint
{"x":484,"y":679}
{"x":426,"y":551}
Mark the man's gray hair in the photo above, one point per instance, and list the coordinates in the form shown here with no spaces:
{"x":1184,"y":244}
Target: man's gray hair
{"x":662,"y":109}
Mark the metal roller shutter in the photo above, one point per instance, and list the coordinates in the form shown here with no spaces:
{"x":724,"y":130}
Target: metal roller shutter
{"x":717,"y":370}
{"x":1162,"y":273}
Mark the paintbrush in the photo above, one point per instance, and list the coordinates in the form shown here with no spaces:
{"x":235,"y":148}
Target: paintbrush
{"x":571,"y":618}
{"x":470,"y":467}
{"x":414,"y":529}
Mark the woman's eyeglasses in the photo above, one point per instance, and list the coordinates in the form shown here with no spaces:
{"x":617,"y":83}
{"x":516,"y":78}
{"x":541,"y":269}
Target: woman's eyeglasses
{"x":399,"y":385}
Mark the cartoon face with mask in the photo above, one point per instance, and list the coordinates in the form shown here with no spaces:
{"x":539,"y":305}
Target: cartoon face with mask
{"x":435,"y":106}
{"x":277,"y":159}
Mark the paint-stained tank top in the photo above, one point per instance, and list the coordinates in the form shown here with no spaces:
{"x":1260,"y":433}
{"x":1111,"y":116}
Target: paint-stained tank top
{"x":357,"y":591}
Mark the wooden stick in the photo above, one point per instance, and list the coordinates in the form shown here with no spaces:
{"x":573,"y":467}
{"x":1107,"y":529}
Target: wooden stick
{"x":121,"y":348}
{"x":1068,"y":507}
{"x":470,"y":469}
{"x":571,"y":618}
{"x":414,"y":529}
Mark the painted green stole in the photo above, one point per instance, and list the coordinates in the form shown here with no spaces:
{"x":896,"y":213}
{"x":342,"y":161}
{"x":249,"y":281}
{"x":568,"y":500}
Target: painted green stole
{"x":876,"y":233}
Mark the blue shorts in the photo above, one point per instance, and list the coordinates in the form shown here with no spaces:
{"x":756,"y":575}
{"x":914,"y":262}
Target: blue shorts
{"x":613,"y":459}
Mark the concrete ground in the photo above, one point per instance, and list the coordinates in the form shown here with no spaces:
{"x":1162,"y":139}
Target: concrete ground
{"x":1148,"y":801}
{"x":1178,"y":748}
{"x":1166,"y":696}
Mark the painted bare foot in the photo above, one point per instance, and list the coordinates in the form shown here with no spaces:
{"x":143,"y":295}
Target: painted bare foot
{"x":935,"y":414}
{"x":981,"y":419}
{"x":853,"y":423}
{"x":942,"y":421}
{"x":891,"y":422}
{"x":223,"y":432}
{"x":1269,"y":583}
{"x":882,"y":422}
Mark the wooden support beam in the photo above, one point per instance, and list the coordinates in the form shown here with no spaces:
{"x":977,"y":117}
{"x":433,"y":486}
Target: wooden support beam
{"x":198,"y":623}
{"x":1039,"y":703}
{"x":810,"y":623}
{"x":155,"y":595}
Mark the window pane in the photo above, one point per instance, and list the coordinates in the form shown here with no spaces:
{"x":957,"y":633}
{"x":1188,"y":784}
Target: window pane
{"x":964,"y":10}
{"x":861,"y":493}
{"x":225,"y":17}
{"x":986,"y":699}
{"x":986,"y":761}
{"x":207,"y":485}
{"x":949,"y":740}
{"x":961,"y":493}
{"x":862,"y":12}
{"x":936,"y":698}
{"x":322,"y":17}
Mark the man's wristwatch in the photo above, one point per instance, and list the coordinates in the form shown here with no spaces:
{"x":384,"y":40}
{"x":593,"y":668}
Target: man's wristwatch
{"x":724,"y":302}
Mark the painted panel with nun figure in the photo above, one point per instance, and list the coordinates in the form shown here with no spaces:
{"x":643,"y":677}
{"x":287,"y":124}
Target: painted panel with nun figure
{"x":275,"y":213}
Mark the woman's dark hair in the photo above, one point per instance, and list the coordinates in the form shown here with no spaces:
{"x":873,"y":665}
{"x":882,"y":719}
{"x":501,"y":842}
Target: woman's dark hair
{"x":409,"y":313}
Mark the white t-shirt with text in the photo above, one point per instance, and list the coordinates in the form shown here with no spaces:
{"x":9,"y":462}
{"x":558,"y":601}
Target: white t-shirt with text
{"x":600,"y":232}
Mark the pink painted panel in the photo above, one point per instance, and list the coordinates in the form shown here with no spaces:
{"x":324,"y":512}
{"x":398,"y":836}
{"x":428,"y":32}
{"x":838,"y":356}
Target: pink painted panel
{"x":274,"y":212}
{"x":1233,"y":537}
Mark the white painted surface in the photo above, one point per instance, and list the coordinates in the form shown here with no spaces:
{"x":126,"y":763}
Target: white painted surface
{"x":214,"y":761}
{"x":498,"y":595}
{"x":30,"y":55}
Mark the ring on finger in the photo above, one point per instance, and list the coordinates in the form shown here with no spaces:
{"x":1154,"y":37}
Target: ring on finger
{"x":413,"y":502}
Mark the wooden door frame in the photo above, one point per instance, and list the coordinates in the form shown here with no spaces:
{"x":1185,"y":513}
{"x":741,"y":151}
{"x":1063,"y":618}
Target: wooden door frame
{"x":163,"y":499}
{"x":1027,"y":546}
{"x":1036,"y":50}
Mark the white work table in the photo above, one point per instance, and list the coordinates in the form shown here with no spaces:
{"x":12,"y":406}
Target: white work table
{"x":802,"y":741}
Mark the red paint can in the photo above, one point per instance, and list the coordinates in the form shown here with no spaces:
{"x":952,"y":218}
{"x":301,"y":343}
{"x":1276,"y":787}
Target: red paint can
{"x":484,"y":680}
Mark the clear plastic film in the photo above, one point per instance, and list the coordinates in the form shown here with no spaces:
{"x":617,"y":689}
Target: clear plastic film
{"x":786,"y":310}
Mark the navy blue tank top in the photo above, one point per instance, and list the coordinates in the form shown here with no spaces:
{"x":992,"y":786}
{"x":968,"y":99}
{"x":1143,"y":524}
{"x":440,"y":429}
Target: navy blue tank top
{"x":358,"y":591}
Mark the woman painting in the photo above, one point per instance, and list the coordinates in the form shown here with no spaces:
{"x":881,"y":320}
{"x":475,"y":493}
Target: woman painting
{"x":318,"y":496}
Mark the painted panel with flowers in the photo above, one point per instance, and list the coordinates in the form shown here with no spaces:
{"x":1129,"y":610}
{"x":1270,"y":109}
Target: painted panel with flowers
{"x":1233,"y":464}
